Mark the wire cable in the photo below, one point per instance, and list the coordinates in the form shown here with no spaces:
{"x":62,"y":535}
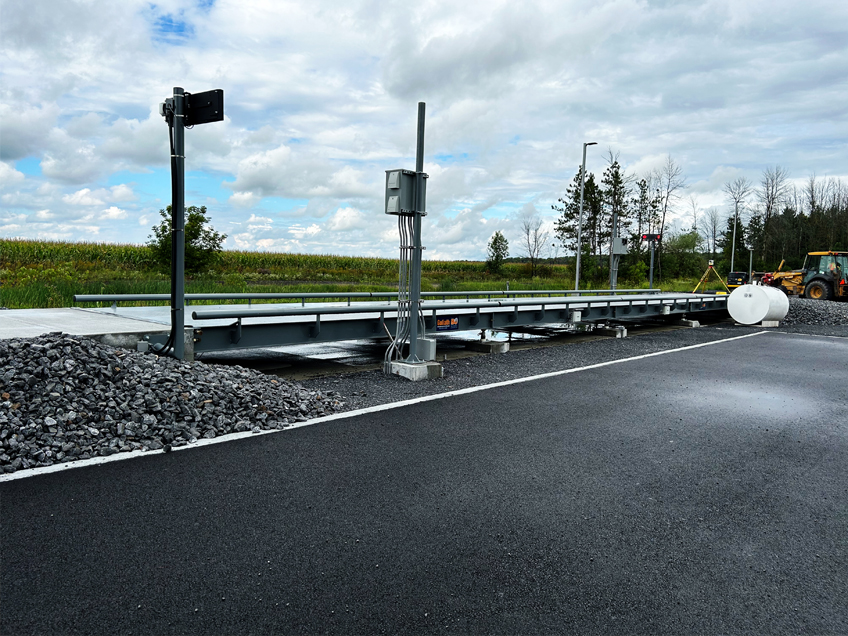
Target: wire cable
{"x":169,"y":343}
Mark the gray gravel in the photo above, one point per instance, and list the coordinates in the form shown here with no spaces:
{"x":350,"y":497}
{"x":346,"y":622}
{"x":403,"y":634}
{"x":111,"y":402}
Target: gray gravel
{"x":65,"y":398}
{"x":803,"y":311}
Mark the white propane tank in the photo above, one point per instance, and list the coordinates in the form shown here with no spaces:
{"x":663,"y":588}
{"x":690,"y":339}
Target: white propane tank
{"x":752,"y":304}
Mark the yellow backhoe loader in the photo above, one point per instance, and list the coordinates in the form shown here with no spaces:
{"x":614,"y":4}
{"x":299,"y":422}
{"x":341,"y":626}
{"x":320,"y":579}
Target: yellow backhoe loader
{"x":823,"y":277}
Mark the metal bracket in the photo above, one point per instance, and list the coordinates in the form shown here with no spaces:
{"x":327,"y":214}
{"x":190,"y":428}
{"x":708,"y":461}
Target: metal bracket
{"x":235,"y":331}
{"x":430,"y":322}
{"x":315,"y":329}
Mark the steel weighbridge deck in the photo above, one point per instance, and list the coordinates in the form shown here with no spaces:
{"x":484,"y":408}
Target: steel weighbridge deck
{"x":230,"y":327}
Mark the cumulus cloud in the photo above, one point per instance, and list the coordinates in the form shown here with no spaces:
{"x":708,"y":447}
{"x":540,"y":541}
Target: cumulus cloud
{"x":113,"y":213}
{"x":346,"y":219}
{"x":82,"y":197}
{"x":8,"y":175}
{"x":244,"y":199}
{"x":320,"y":100}
{"x":24,"y":128}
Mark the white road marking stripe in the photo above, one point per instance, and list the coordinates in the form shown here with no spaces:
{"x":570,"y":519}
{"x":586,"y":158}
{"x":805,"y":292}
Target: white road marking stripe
{"x":97,"y":461}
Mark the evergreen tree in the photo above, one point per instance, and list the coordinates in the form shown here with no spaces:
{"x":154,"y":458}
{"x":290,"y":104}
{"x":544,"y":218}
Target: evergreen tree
{"x":565,"y":227}
{"x":615,"y":195}
{"x":645,"y":207}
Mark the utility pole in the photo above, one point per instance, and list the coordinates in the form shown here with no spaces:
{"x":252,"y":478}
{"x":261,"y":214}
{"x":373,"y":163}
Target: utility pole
{"x":406,"y":197}
{"x":415,"y":274}
{"x":614,"y":257}
{"x":652,"y":239}
{"x":733,"y":244}
{"x":178,"y":225}
{"x":181,"y":110}
{"x":580,"y":221}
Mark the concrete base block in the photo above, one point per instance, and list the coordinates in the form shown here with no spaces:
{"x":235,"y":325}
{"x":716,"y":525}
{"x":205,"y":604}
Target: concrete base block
{"x":136,"y":342}
{"x":188,"y":344}
{"x":770,"y":323}
{"x":689,"y":323}
{"x":616,"y":332}
{"x":417,"y":371}
{"x":125,"y":340}
{"x":487,"y":346}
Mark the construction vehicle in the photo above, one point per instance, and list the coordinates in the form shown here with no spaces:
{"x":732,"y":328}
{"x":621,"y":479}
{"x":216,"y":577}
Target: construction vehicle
{"x":823,"y":277}
{"x":736,"y":279}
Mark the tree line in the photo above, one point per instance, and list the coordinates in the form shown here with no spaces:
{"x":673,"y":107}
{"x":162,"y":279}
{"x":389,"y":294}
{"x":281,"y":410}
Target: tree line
{"x":769,"y":222}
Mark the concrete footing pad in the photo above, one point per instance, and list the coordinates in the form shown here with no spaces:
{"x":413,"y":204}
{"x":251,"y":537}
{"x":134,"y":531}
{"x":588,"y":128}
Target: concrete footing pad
{"x":487,"y":346}
{"x":770,"y":323}
{"x":615,"y":332}
{"x":417,"y":371}
{"x":689,"y":323}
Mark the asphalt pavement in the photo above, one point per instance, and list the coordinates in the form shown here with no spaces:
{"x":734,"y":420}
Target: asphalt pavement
{"x":698,"y":491}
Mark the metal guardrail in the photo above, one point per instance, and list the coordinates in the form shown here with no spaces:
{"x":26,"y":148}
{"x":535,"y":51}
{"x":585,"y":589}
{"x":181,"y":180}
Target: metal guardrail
{"x":120,"y":298}
{"x":316,"y":309}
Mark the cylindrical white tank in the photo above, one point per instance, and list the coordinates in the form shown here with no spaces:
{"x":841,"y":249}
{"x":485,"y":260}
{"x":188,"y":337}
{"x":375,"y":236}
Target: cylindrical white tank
{"x":751,"y":304}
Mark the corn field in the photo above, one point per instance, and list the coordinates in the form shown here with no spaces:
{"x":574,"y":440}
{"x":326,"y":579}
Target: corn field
{"x":49,"y":273}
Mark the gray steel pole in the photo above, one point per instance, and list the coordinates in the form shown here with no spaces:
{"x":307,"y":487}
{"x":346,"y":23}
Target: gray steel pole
{"x":415,"y":274}
{"x":651,"y":277}
{"x":580,"y":222}
{"x":733,"y":245}
{"x":178,"y":219}
{"x":613,"y":258}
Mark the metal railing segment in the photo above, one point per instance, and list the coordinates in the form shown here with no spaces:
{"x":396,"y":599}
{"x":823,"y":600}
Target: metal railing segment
{"x":115,"y":299}
{"x":316,"y":309}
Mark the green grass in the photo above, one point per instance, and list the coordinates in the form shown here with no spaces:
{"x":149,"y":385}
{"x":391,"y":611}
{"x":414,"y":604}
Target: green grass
{"x":37,"y":274}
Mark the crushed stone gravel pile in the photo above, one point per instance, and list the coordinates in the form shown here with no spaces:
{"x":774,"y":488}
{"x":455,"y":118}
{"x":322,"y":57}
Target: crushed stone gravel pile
{"x":64,"y":398}
{"x":803,"y":311}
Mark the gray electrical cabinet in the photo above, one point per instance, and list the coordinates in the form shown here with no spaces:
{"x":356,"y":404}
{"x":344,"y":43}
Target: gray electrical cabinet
{"x":401,"y":192}
{"x":619,"y":246}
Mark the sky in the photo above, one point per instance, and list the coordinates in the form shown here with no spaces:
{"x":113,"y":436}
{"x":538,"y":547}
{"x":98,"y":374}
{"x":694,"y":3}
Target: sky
{"x":321,"y":99}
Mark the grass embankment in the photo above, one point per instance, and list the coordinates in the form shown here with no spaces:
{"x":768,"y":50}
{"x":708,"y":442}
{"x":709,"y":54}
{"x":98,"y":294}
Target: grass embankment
{"x":36,"y":274}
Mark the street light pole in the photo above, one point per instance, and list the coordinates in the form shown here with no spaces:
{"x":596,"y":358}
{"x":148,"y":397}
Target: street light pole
{"x":580,"y":222}
{"x":733,"y":245}
{"x":750,"y":264}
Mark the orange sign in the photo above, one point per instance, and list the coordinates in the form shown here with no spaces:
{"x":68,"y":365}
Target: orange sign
{"x":448,"y":323}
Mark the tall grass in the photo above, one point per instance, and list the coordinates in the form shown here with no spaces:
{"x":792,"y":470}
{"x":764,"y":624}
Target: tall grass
{"x":50,"y":273}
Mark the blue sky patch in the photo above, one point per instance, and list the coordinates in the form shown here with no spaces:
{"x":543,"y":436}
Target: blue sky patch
{"x":31,"y":166}
{"x":279,"y":204}
{"x":453,"y":158}
{"x":170,"y":28}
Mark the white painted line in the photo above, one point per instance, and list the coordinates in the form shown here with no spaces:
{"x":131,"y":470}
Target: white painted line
{"x":97,"y":461}
{"x":805,"y":335}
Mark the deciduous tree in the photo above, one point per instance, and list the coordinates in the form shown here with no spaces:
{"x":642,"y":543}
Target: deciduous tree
{"x":202,"y":242}
{"x":497,"y":251}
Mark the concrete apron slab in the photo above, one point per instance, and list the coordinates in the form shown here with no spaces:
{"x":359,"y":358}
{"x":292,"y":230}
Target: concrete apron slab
{"x":29,"y":323}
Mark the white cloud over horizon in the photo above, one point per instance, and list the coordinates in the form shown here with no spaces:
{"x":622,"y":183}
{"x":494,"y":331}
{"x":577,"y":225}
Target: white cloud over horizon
{"x":320,"y":100}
